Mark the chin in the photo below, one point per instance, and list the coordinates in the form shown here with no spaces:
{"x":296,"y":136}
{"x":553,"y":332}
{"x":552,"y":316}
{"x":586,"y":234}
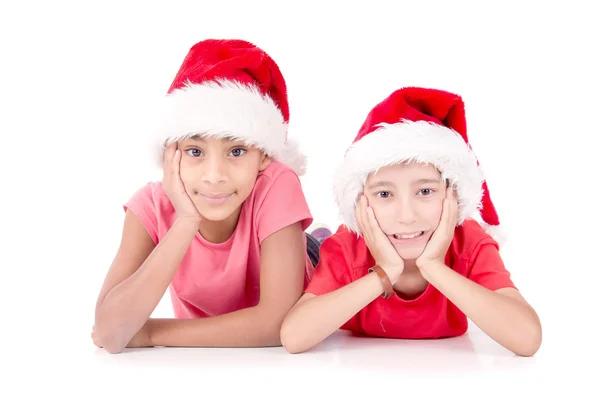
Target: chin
{"x":409,"y":253}
{"x":216,"y":213}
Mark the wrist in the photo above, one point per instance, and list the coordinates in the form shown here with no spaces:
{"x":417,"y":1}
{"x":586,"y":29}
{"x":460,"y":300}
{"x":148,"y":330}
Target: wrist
{"x":384,"y":281}
{"x":393,"y":272}
{"x":149,"y":333}
{"x":188,"y":223}
{"x":430,"y":266}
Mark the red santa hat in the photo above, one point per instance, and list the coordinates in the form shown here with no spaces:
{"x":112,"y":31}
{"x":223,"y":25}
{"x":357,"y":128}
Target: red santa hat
{"x":417,"y":125}
{"x":230,"y":89}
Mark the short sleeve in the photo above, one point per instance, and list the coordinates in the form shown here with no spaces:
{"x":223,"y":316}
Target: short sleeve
{"x":283,"y":204}
{"x":142,"y":205}
{"x":333,"y":271}
{"x":488,"y":270}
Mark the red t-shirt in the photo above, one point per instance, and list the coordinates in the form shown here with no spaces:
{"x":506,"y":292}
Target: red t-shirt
{"x":346,"y":258}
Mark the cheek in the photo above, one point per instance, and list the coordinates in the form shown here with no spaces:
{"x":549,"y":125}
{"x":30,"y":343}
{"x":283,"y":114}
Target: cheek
{"x":433,"y":212}
{"x":245,"y":178}
{"x":384,"y":213}
{"x":188,"y":174}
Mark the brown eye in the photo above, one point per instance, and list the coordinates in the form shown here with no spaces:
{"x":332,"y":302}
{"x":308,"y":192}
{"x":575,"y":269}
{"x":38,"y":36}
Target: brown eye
{"x":425,"y":192}
{"x":383,"y":194}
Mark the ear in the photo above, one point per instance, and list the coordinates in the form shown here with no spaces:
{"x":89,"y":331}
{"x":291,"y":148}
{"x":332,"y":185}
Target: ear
{"x":264,"y":162}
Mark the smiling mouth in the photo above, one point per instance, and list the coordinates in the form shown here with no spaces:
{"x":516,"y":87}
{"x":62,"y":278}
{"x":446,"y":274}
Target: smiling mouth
{"x":405,"y":236}
{"x":218,"y":196}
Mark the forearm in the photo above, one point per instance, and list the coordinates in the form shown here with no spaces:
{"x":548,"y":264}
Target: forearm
{"x":128,"y":305}
{"x":249,"y":327}
{"x":312,"y":321}
{"x":510,"y":322}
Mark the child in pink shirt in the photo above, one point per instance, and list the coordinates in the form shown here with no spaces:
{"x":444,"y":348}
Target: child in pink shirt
{"x":225,"y":229}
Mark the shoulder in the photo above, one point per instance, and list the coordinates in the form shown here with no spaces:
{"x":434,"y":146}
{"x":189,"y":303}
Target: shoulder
{"x":149,"y":191}
{"x":148,"y":195}
{"x":337,"y":262}
{"x":277,"y":201}
{"x":276,"y":176}
{"x":347,"y":247}
{"x":151,"y":205}
{"x":470,"y":238}
{"x":278,"y":188}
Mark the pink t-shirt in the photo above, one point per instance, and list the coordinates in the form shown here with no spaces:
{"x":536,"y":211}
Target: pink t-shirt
{"x":215,"y":279}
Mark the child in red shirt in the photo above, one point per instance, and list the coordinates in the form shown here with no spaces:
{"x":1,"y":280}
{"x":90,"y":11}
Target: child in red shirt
{"x":411,"y":259}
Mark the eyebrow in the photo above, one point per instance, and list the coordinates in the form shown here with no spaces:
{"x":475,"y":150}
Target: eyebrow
{"x":236,"y":142}
{"x":380,"y":184}
{"x":424,"y":180}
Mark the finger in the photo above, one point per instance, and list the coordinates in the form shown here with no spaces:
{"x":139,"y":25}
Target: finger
{"x":168,"y":153}
{"x":175,"y":162}
{"x":367,"y":220}
{"x":450,"y":200}
{"x":367,"y":231}
{"x":167,"y":159}
{"x":444,"y":215}
{"x":453,"y":210}
{"x":443,"y":224}
{"x":449,"y":214}
{"x":175,"y":171}
{"x":358,"y":211}
{"x":357,"y":214}
{"x":454,"y":218}
{"x":446,"y":227}
{"x":376,"y":231}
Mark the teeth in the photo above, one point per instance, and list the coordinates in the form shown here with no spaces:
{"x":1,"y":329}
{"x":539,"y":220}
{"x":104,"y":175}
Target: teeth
{"x":412,"y":236}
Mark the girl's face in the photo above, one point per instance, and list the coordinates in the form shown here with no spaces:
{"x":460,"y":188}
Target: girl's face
{"x":407,"y":202}
{"x":219,"y":174}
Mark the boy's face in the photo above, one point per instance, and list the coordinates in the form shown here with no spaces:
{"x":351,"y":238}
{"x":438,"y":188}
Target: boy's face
{"x":407,"y":201}
{"x":219,"y":174}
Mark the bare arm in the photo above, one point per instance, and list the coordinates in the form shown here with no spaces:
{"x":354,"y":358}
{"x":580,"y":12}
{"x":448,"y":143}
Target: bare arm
{"x":137,"y":280}
{"x":314,"y":318}
{"x":281,"y":282}
{"x":504,"y":315}
{"x":141,"y":272}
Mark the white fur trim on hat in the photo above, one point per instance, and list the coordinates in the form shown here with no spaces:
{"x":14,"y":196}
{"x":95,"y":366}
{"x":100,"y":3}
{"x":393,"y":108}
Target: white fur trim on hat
{"x":228,"y":109}
{"x":408,"y":141}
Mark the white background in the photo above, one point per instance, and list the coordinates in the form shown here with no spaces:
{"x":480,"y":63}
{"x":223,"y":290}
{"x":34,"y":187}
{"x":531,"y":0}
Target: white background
{"x":79,"y":87}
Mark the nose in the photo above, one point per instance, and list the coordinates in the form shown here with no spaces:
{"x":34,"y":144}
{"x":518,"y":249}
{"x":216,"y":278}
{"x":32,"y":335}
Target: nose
{"x":214,"y":171}
{"x":406,"y":213}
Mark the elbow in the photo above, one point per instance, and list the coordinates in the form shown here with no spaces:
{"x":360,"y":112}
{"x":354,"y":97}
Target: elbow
{"x":530,"y":341}
{"x":527,"y":349}
{"x":110,"y":342}
{"x":271,"y":337}
{"x":266,"y":329}
{"x":108,"y":338}
{"x":291,"y":339}
{"x":292,"y":348}
{"x":114,"y":348}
